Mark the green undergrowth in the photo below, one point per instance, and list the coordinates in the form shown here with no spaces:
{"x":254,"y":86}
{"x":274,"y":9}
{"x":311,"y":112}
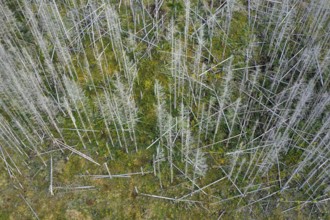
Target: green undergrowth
{"x":133,"y":197}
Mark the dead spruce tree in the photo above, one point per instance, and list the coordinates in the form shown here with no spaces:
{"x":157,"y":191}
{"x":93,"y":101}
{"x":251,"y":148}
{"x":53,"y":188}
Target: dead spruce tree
{"x":225,"y":102}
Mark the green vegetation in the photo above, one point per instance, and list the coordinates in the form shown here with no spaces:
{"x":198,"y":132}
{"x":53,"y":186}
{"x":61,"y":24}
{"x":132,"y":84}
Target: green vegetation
{"x":187,"y":109}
